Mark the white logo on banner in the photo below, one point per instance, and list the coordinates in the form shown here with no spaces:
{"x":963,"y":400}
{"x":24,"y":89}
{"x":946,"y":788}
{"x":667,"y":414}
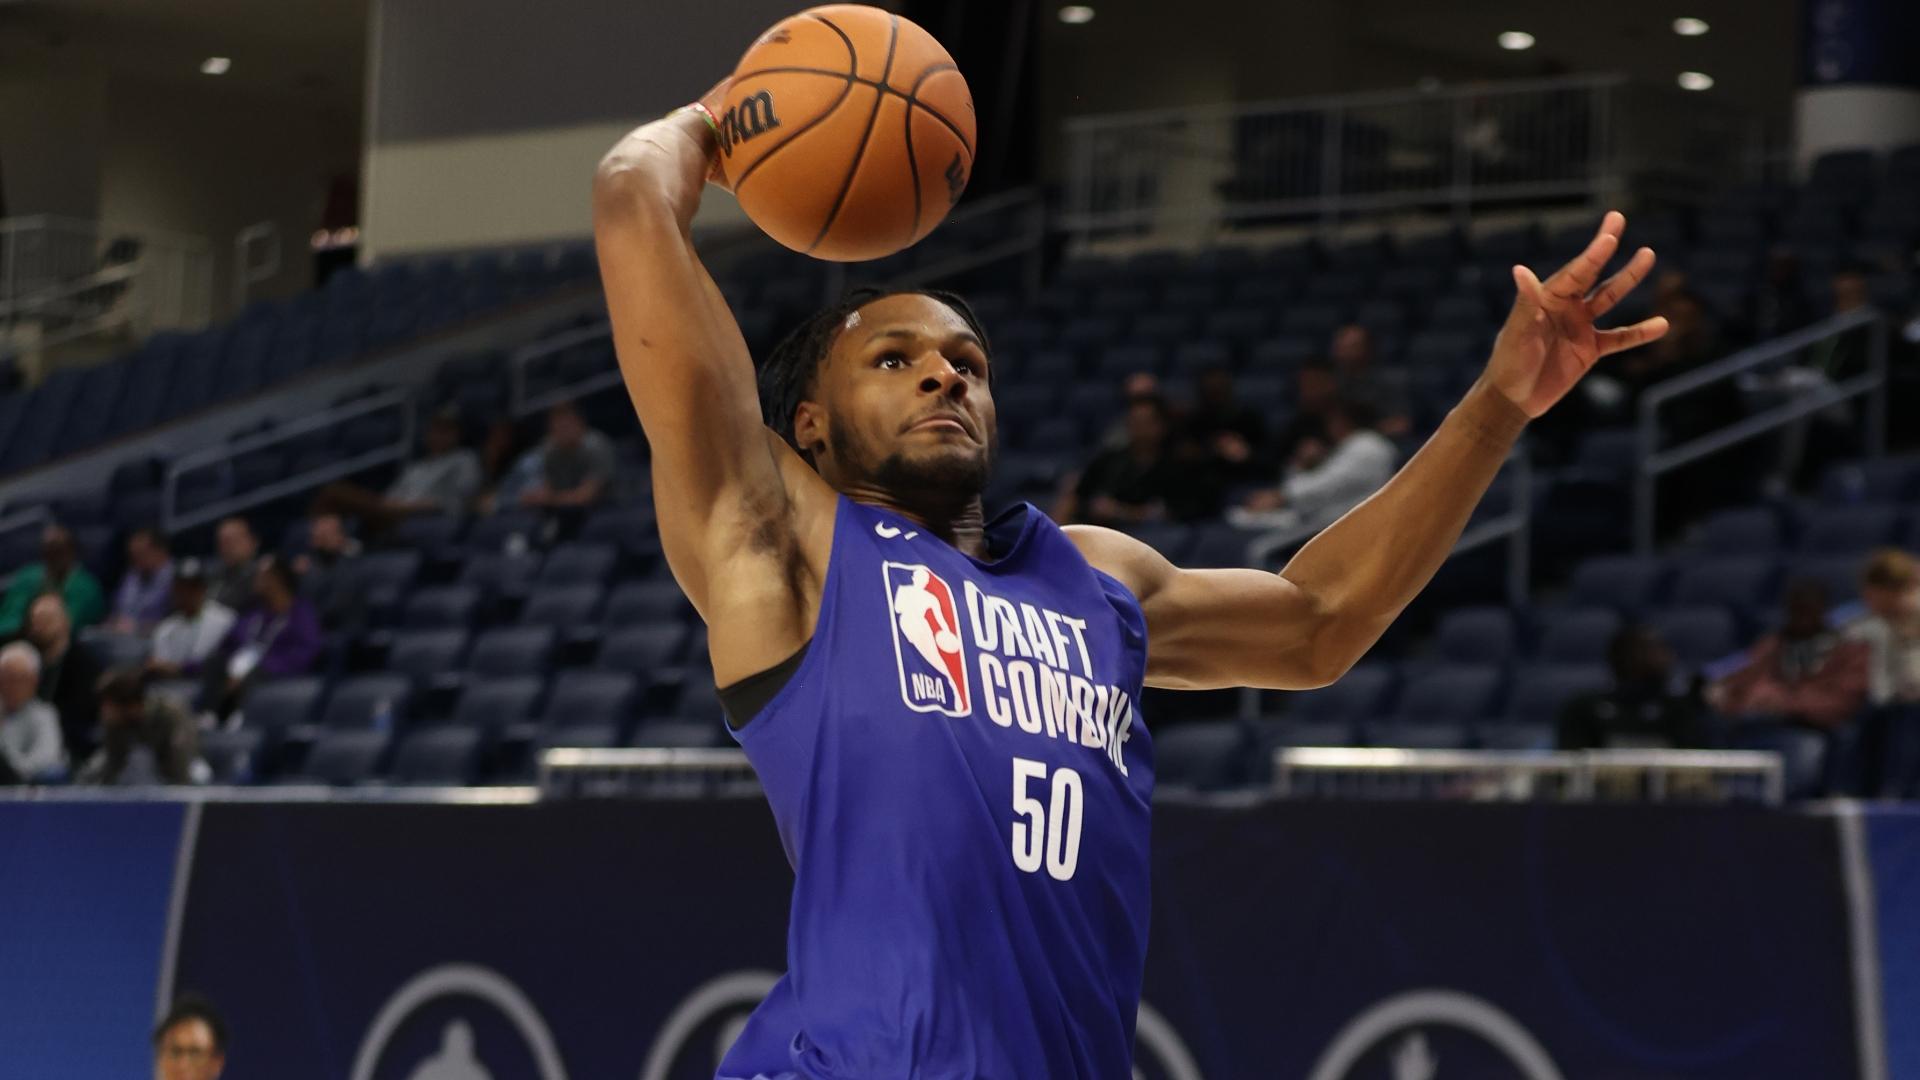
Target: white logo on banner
{"x":1395,"y":1022}
{"x":455,"y":1059}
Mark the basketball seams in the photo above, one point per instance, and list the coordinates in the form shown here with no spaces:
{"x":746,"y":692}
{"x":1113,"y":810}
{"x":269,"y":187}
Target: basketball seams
{"x":913,"y":170}
{"x":866,"y":136}
{"x":853,"y":67}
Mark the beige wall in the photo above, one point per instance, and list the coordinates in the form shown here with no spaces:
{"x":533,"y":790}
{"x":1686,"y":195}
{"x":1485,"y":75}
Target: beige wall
{"x":52,"y":116}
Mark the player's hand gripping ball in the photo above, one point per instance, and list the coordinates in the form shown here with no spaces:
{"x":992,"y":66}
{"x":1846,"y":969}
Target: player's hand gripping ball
{"x":847,"y":132}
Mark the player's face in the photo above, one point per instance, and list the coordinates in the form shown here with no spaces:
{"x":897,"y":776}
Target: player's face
{"x":907,"y":405}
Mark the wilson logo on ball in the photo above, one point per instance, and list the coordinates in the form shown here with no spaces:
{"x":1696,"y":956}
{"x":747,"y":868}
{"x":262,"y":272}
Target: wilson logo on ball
{"x":753,"y":116}
{"x":956,"y":180}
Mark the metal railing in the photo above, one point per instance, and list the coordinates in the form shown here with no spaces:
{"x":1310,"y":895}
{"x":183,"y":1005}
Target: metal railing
{"x":1511,"y":526}
{"x":1446,"y":149}
{"x":63,"y":279}
{"x":262,"y":238}
{"x":525,"y":364}
{"x":616,"y":773}
{"x":222,"y":458}
{"x":1652,"y":462}
{"x":1507,"y":776}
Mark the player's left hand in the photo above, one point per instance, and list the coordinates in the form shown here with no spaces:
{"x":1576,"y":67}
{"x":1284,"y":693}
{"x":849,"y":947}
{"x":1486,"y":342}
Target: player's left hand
{"x":1549,"y":340}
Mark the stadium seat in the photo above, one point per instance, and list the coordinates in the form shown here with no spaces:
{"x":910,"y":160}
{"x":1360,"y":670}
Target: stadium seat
{"x":1840,"y":575}
{"x":282,"y":704}
{"x":590,"y":697}
{"x":685,"y":734}
{"x":1295,"y":731}
{"x":1746,"y":531}
{"x":578,"y":564}
{"x":441,"y":607}
{"x":581,"y":735}
{"x":342,"y":758}
{"x":1206,"y":755}
{"x":442,"y":755}
{"x":1624,"y":583}
{"x":1476,"y":635}
{"x":643,"y":648}
{"x":643,"y":602}
{"x":1697,"y":635}
{"x":234,"y":755}
{"x":1744,"y":584}
{"x":1361,"y":693}
{"x":1539,"y":693}
{"x":428,"y":532}
{"x":562,"y":607}
{"x":1803,"y":753}
{"x":1458,"y":693}
{"x":1530,"y":738}
{"x":493,"y":532}
{"x":500,"y":574}
{"x":512,"y":650}
{"x":356,"y":701}
{"x":426,"y":655}
{"x":1575,"y":635}
{"x":497,"y":702}
{"x":1848,"y":530}
{"x":1419,"y":735}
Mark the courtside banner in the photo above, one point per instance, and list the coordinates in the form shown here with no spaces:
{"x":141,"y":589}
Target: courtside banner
{"x":1341,"y":941}
{"x":1317,"y":941}
{"x":1893,"y":844}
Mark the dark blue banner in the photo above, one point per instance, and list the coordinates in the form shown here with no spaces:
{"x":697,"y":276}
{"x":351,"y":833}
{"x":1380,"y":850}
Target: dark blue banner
{"x":1893,"y":847}
{"x":84,"y":892}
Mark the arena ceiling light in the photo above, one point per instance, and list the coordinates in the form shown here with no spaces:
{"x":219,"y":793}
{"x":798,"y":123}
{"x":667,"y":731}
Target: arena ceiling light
{"x":1695,"y":80}
{"x":1687,"y":26}
{"x":1516,"y":40}
{"x":215,"y":65}
{"x":1075,"y":14}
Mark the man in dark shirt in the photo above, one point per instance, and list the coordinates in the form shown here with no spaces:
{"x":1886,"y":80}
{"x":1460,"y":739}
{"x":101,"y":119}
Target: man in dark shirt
{"x":1142,"y":481}
{"x":1649,"y":707}
{"x":1229,"y":437}
{"x":68,"y":673}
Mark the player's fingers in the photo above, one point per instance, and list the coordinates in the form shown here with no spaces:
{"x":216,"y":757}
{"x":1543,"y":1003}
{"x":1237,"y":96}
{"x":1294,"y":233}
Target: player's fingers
{"x":1621,"y":283}
{"x":1531,"y":294}
{"x":1575,"y":280}
{"x":1627,"y":337}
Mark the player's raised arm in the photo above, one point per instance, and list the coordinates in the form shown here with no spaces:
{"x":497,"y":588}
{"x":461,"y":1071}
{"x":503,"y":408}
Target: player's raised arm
{"x":716,"y":467}
{"x":1305,"y":626}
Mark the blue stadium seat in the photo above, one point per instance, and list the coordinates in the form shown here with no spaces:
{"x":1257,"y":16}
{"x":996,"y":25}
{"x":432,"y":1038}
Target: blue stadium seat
{"x":1744,"y":584}
{"x":281,"y":705}
{"x":342,"y":758}
{"x":1168,"y":538}
{"x":1361,"y":693}
{"x":1840,"y":575}
{"x":1459,"y":693}
{"x":1625,"y":583}
{"x":1803,"y":753}
{"x":491,"y":533}
{"x":232,"y":755}
{"x":1575,"y":635}
{"x":1119,"y":361}
{"x":382,"y":576}
{"x":512,"y":650}
{"x":1280,"y":355}
{"x":1849,"y":530}
{"x":1697,"y":635}
{"x":1530,"y":738}
{"x":686,"y":734}
{"x":578,"y":564}
{"x":497,"y":702}
{"x":500,"y":573}
{"x":1539,"y":693}
{"x":590,"y":697}
{"x":1217,"y":544}
{"x":441,"y":607}
{"x":426,"y":655}
{"x":1416,"y":734}
{"x":1295,"y":731}
{"x":562,"y":606}
{"x":355,"y":701}
{"x":592,"y":736}
{"x":1241,"y":326}
{"x":1190,"y":358}
{"x":638,"y":603}
{"x":1476,"y":635}
{"x":642,"y":649}
{"x":441,"y":755}
{"x":428,"y":532}
{"x":1747,"y":531}
{"x":1207,"y":755}
{"x":1608,"y":453}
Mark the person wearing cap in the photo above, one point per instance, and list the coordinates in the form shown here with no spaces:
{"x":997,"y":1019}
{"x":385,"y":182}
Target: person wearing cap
{"x":196,"y":627}
{"x":444,"y":481}
{"x":144,"y":738}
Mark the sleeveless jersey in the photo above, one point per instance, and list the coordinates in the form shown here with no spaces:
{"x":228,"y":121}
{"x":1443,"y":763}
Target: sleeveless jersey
{"x":961,"y":780}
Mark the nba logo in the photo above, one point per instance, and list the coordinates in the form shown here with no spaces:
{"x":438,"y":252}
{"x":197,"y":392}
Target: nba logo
{"x":927,"y":643}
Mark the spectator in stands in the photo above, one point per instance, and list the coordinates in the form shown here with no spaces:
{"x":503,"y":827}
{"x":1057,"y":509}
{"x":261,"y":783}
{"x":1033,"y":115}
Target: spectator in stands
{"x":194,"y":630}
{"x":1230,"y":437}
{"x":576,"y":463}
{"x":68,"y":673}
{"x":1779,"y":306}
{"x":1650,"y":706}
{"x":1324,"y":481}
{"x":1890,"y":588}
{"x":239,"y":551}
{"x":31,"y":747}
{"x":326,"y":572}
{"x":190,"y":1042}
{"x":445,"y":481}
{"x":1305,"y":431}
{"x":1361,"y":378}
{"x":144,"y":739}
{"x":1140,"y":482}
{"x":58,"y":572}
{"x":278,"y":636}
{"x":1806,"y":673}
{"x":146,"y":591}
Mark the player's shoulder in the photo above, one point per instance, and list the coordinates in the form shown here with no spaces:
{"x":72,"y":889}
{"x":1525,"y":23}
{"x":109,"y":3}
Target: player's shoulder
{"x":1126,"y":559}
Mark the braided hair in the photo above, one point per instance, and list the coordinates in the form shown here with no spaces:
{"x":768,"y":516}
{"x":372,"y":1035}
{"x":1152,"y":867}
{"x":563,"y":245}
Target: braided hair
{"x":790,"y":372}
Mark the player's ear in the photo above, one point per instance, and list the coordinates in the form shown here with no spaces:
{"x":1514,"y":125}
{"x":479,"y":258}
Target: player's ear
{"x":810,"y":422}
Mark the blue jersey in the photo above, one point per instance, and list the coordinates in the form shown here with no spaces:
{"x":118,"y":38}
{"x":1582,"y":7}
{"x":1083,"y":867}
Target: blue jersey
{"x":961,"y":780}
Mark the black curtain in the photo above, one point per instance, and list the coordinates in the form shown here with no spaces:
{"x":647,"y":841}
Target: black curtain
{"x":995,"y":46}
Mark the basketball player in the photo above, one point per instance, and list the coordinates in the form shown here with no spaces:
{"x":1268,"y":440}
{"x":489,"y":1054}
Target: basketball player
{"x":943,"y":707}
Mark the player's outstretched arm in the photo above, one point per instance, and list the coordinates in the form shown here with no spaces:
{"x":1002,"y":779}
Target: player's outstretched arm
{"x":718,"y":473}
{"x":1307,"y":625}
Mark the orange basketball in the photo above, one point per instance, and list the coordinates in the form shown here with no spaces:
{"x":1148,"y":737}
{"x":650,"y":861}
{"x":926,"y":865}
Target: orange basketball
{"x":848,"y":132}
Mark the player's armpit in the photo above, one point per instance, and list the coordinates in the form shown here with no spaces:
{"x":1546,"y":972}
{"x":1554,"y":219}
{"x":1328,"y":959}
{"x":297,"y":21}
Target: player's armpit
{"x":1208,"y":629}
